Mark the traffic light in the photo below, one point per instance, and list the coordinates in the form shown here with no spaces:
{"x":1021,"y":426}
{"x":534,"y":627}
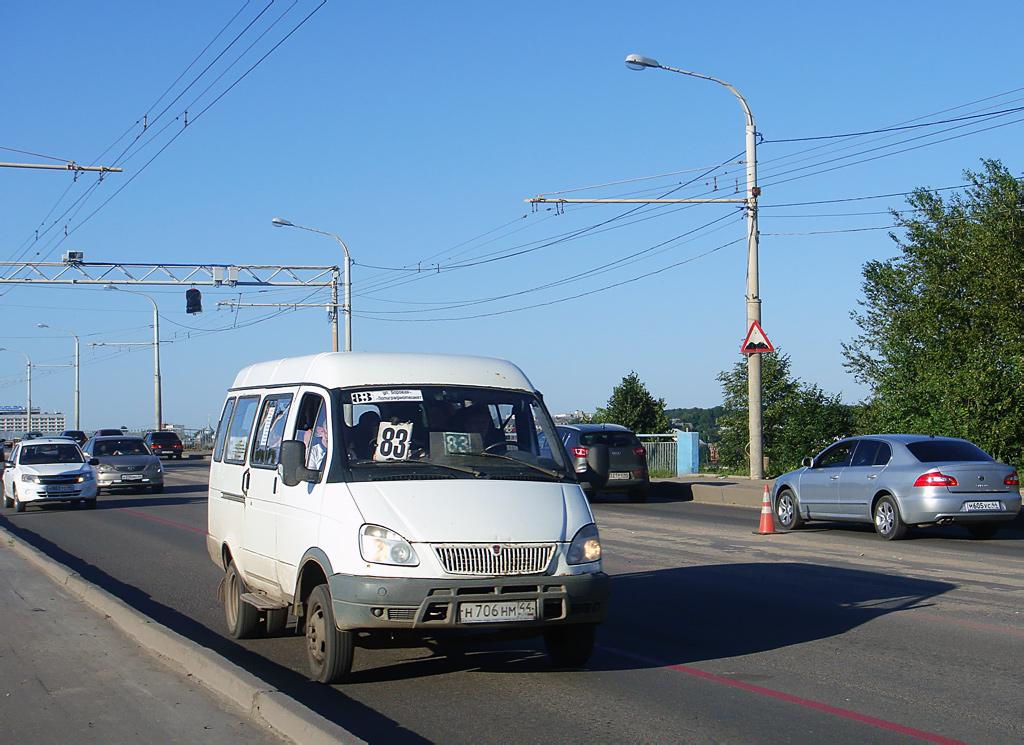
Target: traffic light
{"x":193,"y":301}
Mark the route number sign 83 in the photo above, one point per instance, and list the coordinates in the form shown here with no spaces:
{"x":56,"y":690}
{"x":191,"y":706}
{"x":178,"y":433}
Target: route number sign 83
{"x":393,"y":441}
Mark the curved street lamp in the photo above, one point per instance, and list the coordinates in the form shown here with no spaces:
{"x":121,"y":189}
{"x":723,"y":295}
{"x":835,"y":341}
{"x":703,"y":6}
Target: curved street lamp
{"x":753,"y":300}
{"x":77,"y":360}
{"x":157,"y":395}
{"x":28,"y":378}
{"x":279,"y":223}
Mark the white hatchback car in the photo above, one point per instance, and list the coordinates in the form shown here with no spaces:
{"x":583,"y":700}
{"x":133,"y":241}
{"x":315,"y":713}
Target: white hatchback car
{"x":48,"y":469}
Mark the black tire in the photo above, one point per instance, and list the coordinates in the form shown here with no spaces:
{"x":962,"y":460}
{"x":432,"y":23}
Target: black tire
{"x":19,"y":506}
{"x":157,"y":488}
{"x":90,"y":504}
{"x":328,"y":650}
{"x":888,"y":522}
{"x":276,"y":620}
{"x":787,"y":510}
{"x":242,"y":618}
{"x":982,"y":531}
{"x":8,"y":502}
{"x":570,"y":646}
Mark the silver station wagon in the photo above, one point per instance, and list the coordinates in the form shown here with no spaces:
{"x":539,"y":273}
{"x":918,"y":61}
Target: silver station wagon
{"x":897,"y":481}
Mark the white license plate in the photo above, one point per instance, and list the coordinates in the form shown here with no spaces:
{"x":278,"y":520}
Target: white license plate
{"x":619,"y":476}
{"x":975,"y":506}
{"x":131,"y":477}
{"x":509,"y":610}
{"x":60,"y":489}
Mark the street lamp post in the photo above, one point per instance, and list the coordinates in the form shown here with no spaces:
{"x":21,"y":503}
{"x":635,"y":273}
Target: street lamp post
{"x":78,"y":424}
{"x":753,"y":300}
{"x":28,"y":379}
{"x":279,"y":223}
{"x":157,"y":396}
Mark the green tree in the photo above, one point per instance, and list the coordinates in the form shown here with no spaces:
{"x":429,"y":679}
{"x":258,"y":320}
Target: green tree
{"x":942,"y":322}
{"x":797,"y":420}
{"x":632,"y":406}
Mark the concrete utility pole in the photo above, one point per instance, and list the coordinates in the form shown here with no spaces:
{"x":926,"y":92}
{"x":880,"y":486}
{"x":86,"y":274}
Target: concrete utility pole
{"x":753,"y":295}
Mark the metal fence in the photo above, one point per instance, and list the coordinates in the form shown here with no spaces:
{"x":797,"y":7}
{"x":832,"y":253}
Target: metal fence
{"x":662,"y":453}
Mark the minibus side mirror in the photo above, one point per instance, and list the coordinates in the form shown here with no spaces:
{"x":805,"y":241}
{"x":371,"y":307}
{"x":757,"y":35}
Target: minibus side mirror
{"x":597,"y":466}
{"x":292,"y":466}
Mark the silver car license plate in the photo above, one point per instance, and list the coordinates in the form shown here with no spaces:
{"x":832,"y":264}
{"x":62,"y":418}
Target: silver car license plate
{"x":508,"y":610}
{"x":978,"y":506}
{"x":131,"y":477}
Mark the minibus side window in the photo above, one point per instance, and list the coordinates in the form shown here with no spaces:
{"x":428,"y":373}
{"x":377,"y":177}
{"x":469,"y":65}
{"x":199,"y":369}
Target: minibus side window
{"x":222,"y":429}
{"x":240,"y":429}
{"x":311,"y":428}
{"x":266,"y":450}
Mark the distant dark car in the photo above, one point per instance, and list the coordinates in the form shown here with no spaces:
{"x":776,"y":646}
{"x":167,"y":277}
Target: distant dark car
{"x":75,"y":434}
{"x":34,"y":435}
{"x":108,"y":433}
{"x":164,"y":443}
{"x":896,"y":481}
{"x":627,"y":458}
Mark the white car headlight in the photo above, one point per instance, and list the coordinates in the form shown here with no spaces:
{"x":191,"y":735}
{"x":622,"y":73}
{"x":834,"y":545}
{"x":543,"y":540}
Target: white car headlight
{"x":30,"y":478}
{"x":585,"y":546}
{"x":382,"y":546}
{"x":87,"y":476}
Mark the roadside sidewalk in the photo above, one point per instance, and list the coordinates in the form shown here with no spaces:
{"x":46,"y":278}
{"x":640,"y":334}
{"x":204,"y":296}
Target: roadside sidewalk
{"x":68,"y":674}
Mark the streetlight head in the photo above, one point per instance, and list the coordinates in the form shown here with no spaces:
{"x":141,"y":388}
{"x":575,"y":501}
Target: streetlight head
{"x":42,"y":325}
{"x":109,"y":287}
{"x":639,"y":62}
{"x":279,"y":223}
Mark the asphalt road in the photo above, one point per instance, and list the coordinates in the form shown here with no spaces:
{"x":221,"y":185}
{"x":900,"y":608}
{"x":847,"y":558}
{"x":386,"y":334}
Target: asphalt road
{"x":715,"y":634}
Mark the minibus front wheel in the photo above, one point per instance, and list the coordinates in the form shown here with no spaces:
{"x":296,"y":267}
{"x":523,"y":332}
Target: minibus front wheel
{"x":329,"y":650}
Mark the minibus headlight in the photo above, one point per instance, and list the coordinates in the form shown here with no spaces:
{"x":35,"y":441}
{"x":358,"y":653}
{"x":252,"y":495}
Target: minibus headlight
{"x":585,"y":547}
{"x":382,"y":546}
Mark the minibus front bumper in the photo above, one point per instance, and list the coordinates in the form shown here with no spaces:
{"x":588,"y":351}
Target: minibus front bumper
{"x":482,"y":604}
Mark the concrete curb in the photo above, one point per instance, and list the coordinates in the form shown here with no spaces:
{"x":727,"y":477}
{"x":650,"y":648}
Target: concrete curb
{"x":738,"y":491}
{"x":268,"y":705}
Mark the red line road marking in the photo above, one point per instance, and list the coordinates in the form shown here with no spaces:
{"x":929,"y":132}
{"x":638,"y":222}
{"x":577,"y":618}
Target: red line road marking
{"x":826,"y":708}
{"x":161,"y":520}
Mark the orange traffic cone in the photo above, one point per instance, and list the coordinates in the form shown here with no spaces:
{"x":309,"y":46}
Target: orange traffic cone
{"x":767,"y":526}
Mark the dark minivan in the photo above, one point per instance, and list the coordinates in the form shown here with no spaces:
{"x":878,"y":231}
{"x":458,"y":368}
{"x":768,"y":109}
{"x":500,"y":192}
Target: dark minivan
{"x":627,"y":458}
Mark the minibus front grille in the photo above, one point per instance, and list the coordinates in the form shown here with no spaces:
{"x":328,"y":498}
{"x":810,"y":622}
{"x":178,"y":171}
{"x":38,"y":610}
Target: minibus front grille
{"x":495,"y":559}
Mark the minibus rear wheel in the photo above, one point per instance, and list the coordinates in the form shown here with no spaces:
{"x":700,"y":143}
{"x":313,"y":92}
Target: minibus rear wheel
{"x":242,"y":618}
{"x":329,"y":650}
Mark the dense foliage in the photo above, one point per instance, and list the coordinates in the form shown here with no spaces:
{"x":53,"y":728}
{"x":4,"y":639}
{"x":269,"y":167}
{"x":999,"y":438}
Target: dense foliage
{"x":943,"y":321}
{"x":632,"y":406}
{"x":704,"y":421}
{"x":799,"y":420}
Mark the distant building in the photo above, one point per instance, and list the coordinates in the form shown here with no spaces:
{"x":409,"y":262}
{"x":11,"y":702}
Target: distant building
{"x":13,"y":420}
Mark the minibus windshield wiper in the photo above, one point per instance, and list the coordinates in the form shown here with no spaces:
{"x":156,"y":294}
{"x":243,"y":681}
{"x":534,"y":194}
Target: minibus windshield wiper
{"x":430,"y":463}
{"x":554,"y":474}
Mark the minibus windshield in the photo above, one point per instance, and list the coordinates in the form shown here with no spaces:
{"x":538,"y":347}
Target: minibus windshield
{"x":457,"y":430}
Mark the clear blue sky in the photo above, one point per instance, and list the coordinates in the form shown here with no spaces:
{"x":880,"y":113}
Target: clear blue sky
{"x":415,"y":131}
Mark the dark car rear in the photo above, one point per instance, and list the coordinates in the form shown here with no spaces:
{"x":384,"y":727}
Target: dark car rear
{"x":627,"y":458}
{"x":164,"y":444}
{"x":75,"y":434}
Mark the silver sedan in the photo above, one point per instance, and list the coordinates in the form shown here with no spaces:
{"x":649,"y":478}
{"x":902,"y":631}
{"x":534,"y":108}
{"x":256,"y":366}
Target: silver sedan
{"x":125,"y":462}
{"x":896,"y":481}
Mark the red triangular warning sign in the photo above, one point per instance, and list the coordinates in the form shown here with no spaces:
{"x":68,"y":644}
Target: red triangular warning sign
{"x":756,"y":341}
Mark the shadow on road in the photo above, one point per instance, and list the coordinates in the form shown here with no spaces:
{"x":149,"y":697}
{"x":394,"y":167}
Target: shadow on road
{"x":694,"y":614}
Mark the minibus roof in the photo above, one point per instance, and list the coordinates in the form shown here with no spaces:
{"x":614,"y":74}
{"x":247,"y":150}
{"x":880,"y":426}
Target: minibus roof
{"x":354,"y":369}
